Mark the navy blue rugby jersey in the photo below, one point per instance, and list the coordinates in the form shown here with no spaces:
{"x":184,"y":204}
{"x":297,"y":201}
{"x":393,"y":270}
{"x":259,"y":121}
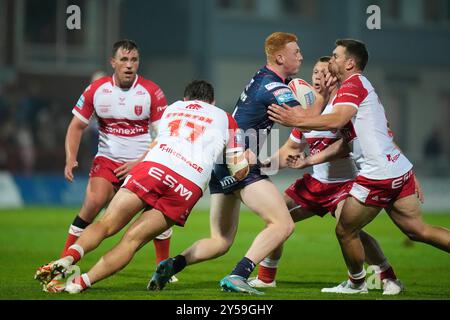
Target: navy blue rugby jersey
{"x":265,"y":88}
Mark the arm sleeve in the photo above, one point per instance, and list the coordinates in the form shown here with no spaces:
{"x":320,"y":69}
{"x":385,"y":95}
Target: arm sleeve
{"x":84,"y":108}
{"x":351,"y":93}
{"x":296,"y":135}
{"x":159,"y":103}
{"x":280,"y":95}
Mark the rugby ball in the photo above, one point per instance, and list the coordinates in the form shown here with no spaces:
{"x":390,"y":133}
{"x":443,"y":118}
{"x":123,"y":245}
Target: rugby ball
{"x":303,"y":92}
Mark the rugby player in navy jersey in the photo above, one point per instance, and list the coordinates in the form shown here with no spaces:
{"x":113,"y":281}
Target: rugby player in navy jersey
{"x":269,"y":85}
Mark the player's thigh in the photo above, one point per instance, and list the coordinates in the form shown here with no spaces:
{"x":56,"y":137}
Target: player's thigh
{"x":355,"y":215}
{"x":297,"y":212}
{"x":263,"y":198}
{"x":224,"y":216}
{"x":99,"y":192}
{"x":337,"y":212}
{"x":406,"y":213}
{"x":122,"y":208}
{"x":149,"y":225}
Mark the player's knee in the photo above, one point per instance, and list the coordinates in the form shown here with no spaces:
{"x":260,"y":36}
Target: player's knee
{"x":289,"y":228}
{"x":107,"y":227}
{"x":222,"y":245}
{"x":284,"y":229}
{"x":342,"y":233}
{"x":93,"y":205}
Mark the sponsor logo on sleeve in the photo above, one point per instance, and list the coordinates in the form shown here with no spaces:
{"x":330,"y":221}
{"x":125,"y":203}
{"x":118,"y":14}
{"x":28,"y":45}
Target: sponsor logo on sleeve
{"x":274,"y":85}
{"x":80,"y":102}
{"x":284,"y":95}
{"x":160,"y":109}
{"x":159,"y":94}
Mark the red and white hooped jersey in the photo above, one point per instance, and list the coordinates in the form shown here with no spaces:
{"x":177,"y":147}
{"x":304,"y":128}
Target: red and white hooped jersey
{"x":192,"y":137}
{"x":374,"y":151}
{"x":339,"y":170}
{"x":123,"y":116}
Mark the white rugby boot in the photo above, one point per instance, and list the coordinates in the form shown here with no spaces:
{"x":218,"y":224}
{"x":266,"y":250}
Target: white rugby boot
{"x":392,"y":287}
{"x":73,"y":288}
{"x":258,"y":283}
{"x":347,"y":287}
{"x":49,"y":271}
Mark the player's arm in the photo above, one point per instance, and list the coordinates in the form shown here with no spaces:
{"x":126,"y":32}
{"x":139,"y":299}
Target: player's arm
{"x":340,"y":116}
{"x":72,"y":144}
{"x":336,"y":150}
{"x":122,"y":171}
{"x":237,"y":163}
{"x":159,"y":104}
{"x":237,"y":160}
{"x":322,"y":97}
{"x":280,"y":158}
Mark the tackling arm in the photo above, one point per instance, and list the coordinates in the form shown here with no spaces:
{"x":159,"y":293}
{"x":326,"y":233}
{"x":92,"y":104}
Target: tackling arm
{"x":279,"y":158}
{"x":336,"y":150}
{"x":284,"y":115}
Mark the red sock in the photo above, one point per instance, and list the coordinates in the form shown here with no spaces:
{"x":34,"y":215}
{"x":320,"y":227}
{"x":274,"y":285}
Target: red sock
{"x":357,"y":281}
{"x":73,"y":253}
{"x":266,"y":274}
{"x":388,"y":274}
{"x":161,"y":249}
{"x":79,"y":280}
{"x":71,"y":239}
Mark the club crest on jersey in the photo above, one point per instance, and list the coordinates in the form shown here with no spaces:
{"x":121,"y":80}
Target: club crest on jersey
{"x":138,"y":110}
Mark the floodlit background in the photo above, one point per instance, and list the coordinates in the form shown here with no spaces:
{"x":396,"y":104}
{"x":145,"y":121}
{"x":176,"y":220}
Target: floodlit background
{"x":44,"y":68}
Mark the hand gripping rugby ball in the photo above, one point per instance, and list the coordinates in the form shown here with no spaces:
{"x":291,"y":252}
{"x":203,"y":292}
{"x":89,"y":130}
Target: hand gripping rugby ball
{"x":303,"y":92}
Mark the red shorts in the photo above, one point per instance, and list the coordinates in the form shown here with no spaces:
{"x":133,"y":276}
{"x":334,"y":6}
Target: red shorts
{"x":164,"y":189}
{"x":383,"y":193}
{"x":318,"y":197}
{"x":104,"y":168}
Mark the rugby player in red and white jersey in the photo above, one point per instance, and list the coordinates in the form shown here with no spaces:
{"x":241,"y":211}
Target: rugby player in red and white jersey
{"x":323,"y":191}
{"x":166,"y":184}
{"x":385,"y":179}
{"x":126,"y":106}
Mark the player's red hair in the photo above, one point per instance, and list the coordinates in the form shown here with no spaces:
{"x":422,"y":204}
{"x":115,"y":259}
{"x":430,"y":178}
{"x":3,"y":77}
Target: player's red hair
{"x":276,"y":42}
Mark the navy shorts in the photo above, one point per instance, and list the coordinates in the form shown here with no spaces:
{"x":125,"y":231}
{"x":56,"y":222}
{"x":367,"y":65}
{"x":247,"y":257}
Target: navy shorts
{"x":222,"y":182}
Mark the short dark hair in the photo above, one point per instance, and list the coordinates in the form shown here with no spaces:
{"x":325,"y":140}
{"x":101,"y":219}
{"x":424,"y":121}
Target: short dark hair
{"x":125,"y":44}
{"x":357,"y":50}
{"x":199,"y":90}
{"x":324,"y":59}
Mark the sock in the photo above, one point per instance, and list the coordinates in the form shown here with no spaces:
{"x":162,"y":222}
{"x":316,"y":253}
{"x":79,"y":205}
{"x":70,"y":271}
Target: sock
{"x":75,"y":230}
{"x":83,"y":281}
{"x":357,"y":278}
{"x":244,"y":268}
{"x":161,"y":249}
{"x":179,"y":263}
{"x":267,"y":270}
{"x":76,"y":252}
{"x":388,"y":274}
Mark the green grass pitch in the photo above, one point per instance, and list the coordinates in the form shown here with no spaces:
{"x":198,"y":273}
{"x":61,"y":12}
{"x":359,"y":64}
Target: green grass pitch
{"x":33,"y":236}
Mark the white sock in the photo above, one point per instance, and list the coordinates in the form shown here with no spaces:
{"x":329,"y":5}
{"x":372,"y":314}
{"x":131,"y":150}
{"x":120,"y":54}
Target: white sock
{"x":269,"y":263}
{"x":78,"y":248}
{"x":358,"y":276}
{"x":86,"y":279}
{"x":74,"y":230}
